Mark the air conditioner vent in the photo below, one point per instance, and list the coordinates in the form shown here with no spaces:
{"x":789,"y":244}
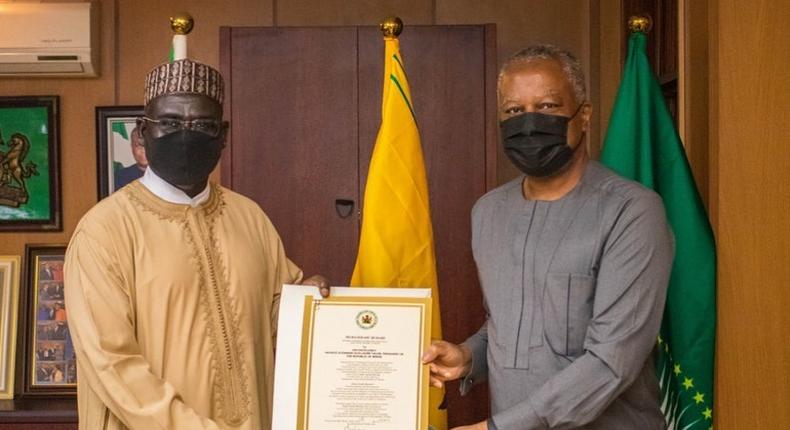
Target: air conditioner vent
{"x":49,"y":39}
{"x":54,"y":68}
{"x":58,"y":57}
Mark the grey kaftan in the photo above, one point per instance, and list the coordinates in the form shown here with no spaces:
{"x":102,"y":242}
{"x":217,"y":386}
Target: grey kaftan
{"x":574,"y":290}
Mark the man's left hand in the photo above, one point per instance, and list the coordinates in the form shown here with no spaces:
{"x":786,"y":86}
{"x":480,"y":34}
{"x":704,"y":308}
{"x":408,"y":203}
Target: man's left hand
{"x":483,"y":425}
{"x":320,"y":282}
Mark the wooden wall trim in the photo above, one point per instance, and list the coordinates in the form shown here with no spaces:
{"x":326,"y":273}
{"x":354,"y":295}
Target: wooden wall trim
{"x":750,"y":81}
{"x":609,"y":66}
{"x":225,"y":56}
{"x":492,"y":132}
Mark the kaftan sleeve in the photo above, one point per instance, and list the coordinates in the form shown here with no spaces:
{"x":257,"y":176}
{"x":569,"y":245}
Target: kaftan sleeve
{"x":478,"y":342}
{"x":286,"y":271}
{"x":629,"y":300}
{"x":101,"y":324}
{"x":478,"y":372}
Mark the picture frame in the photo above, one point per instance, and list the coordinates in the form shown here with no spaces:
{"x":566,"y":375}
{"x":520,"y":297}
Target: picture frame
{"x":48,"y":361}
{"x":29,"y":164}
{"x":9,"y":313}
{"x":116,"y":162}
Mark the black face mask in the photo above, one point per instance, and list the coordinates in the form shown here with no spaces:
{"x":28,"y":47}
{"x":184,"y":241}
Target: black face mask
{"x":185,"y":157}
{"x":537,"y":143}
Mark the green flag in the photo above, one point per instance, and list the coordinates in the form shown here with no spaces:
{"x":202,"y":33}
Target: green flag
{"x":642,"y":144}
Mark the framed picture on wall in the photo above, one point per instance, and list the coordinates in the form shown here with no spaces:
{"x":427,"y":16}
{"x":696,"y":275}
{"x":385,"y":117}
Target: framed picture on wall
{"x":50,"y":364}
{"x":120,"y":157}
{"x":9,"y":307}
{"x":29,"y":166}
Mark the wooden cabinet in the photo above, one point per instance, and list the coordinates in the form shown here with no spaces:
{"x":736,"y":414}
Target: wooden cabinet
{"x":305,"y":107}
{"x":39,"y":413}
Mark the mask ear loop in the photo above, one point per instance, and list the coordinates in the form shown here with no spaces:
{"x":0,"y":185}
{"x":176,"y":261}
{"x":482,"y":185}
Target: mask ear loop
{"x":577,"y":110}
{"x":139,"y":123}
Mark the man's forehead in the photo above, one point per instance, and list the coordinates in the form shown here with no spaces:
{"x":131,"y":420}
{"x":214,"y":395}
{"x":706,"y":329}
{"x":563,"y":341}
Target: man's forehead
{"x":184,"y":105}
{"x":541,"y":77}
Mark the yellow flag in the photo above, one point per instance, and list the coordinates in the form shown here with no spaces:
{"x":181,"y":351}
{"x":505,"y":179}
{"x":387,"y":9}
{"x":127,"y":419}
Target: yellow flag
{"x":396,"y":243}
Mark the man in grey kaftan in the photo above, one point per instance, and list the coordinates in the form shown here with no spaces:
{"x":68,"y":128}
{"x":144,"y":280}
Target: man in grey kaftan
{"x":574,"y":263}
{"x":575,"y":290}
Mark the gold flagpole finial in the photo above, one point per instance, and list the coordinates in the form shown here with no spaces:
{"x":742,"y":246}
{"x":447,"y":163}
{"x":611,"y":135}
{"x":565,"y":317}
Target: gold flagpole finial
{"x":640,"y":23}
{"x":391,"y":27}
{"x":182,"y":23}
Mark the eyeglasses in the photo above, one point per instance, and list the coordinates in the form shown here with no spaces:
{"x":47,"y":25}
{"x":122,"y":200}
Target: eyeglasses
{"x":211,"y":127}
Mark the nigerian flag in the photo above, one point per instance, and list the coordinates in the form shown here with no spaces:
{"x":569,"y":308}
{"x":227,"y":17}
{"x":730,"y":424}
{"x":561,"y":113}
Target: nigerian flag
{"x":120,"y":128}
{"x":642,"y":144}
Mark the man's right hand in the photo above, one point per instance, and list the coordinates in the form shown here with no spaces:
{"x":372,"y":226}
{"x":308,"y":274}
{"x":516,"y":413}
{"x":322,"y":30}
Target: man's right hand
{"x":448,"y":361}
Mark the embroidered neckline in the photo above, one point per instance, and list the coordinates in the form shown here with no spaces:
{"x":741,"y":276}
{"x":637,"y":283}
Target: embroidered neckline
{"x":174,"y":212}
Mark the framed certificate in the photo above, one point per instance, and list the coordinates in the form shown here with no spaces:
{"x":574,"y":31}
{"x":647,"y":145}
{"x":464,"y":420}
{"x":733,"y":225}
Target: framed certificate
{"x":359,"y":362}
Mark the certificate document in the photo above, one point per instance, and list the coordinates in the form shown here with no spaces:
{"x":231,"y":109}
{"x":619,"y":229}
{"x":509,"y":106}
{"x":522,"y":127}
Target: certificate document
{"x":360,"y":362}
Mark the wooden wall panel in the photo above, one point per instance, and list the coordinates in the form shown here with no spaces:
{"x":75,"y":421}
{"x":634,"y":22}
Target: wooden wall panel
{"x":350,"y":12}
{"x":38,"y":426}
{"x":78,"y":97}
{"x":520,"y":24}
{"x":694,"y":95}
{"x":610,"y":41}
{"x":751,"y":82}
{"x":144,"y":35}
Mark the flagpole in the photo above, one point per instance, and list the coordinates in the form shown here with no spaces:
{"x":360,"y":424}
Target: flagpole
{"x":640,"y":23}
{"x":181,"y":24}
{"x":391,"y":27}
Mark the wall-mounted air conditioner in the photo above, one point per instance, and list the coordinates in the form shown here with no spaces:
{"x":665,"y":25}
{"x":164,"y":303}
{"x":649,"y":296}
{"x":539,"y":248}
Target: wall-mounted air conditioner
{"x":49,"y":39}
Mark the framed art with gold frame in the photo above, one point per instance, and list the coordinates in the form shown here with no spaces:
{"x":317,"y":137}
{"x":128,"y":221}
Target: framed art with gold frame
{"x":50,"y":366}
{"x":9,"y":306}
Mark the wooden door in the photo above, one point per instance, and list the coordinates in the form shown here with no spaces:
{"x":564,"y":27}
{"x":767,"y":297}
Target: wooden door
{"x":292,"y":104}
{"x":305,"y":107}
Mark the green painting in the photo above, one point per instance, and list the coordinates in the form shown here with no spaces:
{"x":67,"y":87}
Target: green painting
{"x":28,"y":163}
